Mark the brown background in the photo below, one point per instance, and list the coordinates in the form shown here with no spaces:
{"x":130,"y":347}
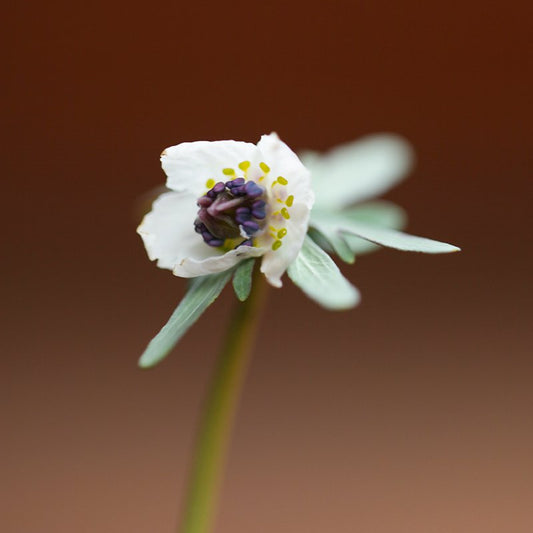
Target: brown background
{"x":410,"y":414}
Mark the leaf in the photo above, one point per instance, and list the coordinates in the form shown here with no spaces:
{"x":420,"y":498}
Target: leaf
{"x":345,"y":224}
{"x":356,"y":171}
{"x":202,"y":292}
{"x":333,"y":242}
{"x":319,"y":277}
{"x":242,"y":279}
{"x":379,"y":213}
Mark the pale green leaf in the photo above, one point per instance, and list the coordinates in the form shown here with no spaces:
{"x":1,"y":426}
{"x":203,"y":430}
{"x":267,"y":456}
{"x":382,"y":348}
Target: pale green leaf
{"x":359,"y":170}
{"x":242,"y":279}
{"x":319,"y":277}
{"x":380,"y":213}
{"x":202,"y":292}
{"x":348,"y":224}
{"x":333,"y":242}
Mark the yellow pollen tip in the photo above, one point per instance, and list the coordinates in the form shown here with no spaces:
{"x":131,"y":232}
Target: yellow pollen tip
{"x":276,"y":245}
{"x":281,"y":233}
{"x":282,"y":181}
{"x":264,"y":167}
{"x":285,"y":213}
{"x":244,"y":166}
{"x":289,"y":201}
{"x":210,"y":183}
{"x":228,"y":172}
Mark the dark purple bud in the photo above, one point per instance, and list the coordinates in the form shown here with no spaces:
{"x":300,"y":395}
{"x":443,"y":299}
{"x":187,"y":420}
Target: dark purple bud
{"x":253,"y":190}
{"x":237,"y":182}
{"x":219,"y":187}
{"x":247,"y":242}
{"x":204,"y":201}
{"x":260,"y":214}
{"x":216,"y":243}
{"x":199,"y":227}
{"x":242,"y":218}
{"x":250,"y":227}
{"x":258,"y":204}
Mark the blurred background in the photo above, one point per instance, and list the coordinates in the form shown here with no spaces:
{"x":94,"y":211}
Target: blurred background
{"x":409,"y":414}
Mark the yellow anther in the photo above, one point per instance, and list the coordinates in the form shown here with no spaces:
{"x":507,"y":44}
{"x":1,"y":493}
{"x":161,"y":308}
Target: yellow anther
{"x":282,"y":181}
{"x":285,"y":213}
{"x":264,"y":167}
{"x":244,"y":166}
{"x":276,"y":245}
{"x":210,"y":183}
{"x":289,"y":201}
{"x":281,"y":233}
{"x":228,"y":171}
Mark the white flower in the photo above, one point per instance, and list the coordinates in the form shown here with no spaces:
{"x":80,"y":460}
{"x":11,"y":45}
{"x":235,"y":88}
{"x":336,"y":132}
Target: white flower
{"x":229,"y":201}
{"x":234,"y":200}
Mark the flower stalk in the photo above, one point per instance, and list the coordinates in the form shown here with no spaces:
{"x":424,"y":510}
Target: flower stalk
{"x":219,"y":414}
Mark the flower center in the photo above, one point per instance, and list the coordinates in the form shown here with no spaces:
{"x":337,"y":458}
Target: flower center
{"x":231,"y":210}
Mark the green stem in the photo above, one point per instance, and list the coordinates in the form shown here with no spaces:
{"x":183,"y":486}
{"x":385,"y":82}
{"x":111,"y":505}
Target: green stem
{"x":220,"y":408}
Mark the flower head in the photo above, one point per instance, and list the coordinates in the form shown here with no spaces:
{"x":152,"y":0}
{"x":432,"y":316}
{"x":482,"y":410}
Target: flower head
{"x":233,"y":201}
{"x":229,"y":201}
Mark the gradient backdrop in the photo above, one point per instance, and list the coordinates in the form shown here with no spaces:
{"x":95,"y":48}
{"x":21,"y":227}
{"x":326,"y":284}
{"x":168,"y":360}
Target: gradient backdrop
{"x":410,"y":414}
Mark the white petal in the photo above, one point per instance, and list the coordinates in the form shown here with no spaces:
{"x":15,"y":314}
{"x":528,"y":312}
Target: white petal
{"x":284,"y":162}
{"x":195,"y":265}
{"x":275,"y":262}
{"x":190,"y":165}
{"x":359,"y":170}
{"x":168,"y":226}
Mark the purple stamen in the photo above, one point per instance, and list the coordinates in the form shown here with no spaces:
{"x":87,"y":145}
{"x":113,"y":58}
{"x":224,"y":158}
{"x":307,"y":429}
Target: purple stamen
{"x":215,"y":243}
{"x":237,"y":182}
{"x":204,"y":201}
{"x":253,"y":190}
{"x":199,"y":227}
{"x":241,"y":218}
{"x":229,"y":210}
{"x":219,"y":187}
{"x":250,"y":227}
{"x":258,"y":204}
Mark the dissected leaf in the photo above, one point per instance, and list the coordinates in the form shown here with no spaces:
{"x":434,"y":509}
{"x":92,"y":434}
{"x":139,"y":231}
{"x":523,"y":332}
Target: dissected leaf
{"x":202,"y":292}
{"x":347,"y":223}
{"x":319,"y":277}
{"x":242,"y":279}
